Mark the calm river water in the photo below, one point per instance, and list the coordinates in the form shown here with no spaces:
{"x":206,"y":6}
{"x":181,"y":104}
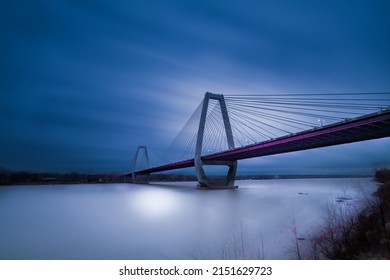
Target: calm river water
{"x":164,"y":221}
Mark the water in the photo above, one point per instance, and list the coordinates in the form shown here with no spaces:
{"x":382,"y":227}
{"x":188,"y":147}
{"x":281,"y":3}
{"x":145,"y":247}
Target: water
{"x":165,"y":221}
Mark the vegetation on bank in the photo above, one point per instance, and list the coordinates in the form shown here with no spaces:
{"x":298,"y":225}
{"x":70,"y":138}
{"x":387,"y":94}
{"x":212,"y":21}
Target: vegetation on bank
{"x":350,"y":233}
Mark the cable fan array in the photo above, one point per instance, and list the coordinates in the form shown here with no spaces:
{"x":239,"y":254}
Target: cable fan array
{"x":259,"y":118}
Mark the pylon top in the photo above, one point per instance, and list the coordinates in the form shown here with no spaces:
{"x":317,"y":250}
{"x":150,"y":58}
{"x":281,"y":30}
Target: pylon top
{"x":211,"y":95}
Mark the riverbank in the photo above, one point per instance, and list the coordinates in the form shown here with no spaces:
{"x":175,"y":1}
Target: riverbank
{"x":373,"y":228}
{"x":363,"y":235}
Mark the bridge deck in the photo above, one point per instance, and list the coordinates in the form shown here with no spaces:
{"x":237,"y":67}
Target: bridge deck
{"x":367,"y":127}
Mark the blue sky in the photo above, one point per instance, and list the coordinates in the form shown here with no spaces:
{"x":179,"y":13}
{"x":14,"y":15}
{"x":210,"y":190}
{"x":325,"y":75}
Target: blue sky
{"x":83,"y":83}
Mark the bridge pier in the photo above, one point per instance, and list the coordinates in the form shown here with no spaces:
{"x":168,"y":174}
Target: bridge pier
{"x":204,"y":181}
{"x":226,"y":182}
{"x":140,"y":178}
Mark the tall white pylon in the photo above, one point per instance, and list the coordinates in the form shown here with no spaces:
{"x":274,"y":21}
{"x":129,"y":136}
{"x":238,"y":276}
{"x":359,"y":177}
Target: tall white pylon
{"x":205,"y":182}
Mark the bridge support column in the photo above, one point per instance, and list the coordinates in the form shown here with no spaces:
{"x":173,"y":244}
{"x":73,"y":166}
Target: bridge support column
{"x":140,"y":178}
{"x":204,"y":181}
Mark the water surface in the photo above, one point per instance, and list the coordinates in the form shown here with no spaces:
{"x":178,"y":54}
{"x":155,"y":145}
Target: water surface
{"x":163,"y":221}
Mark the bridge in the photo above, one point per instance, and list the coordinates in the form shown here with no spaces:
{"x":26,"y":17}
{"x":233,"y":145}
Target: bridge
{"x":223,"y":130}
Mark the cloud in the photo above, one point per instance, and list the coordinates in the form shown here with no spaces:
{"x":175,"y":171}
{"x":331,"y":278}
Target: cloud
{"x":85,"y":82}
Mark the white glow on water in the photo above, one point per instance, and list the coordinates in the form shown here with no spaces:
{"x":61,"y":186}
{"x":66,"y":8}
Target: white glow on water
{"x":155,"y":203}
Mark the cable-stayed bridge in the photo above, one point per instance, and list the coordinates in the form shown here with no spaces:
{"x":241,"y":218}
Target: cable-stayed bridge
{"x":225,"y":129}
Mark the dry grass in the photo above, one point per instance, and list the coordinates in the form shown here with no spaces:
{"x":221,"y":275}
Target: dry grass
{"x":351,"y":233}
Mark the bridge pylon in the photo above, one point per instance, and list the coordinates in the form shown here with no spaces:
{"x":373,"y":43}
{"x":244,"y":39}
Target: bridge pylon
{"x":204,"y":181}
{"x":140,"y":178}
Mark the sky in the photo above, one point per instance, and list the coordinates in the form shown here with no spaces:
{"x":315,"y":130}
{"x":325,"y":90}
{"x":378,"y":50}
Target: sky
{"x":83,"y":83}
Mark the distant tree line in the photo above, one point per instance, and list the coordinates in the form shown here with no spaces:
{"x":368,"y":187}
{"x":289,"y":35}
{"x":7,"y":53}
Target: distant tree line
{"x":10,"y":177}
{"x":161,"y":177}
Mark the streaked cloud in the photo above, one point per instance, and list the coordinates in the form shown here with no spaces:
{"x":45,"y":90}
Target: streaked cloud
{"x":84,"y":82}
